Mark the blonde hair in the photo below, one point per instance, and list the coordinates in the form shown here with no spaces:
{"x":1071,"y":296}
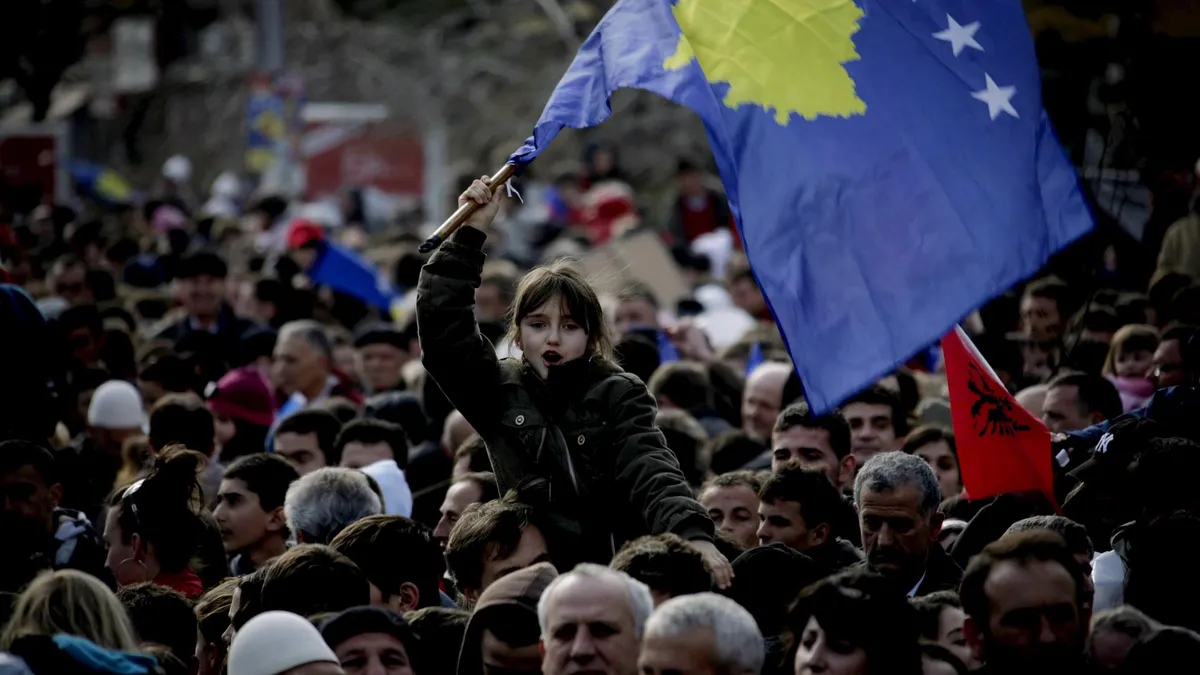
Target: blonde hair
{"x":562,"y":281}
{"x":135,"y":459}
{"x":1135,"y":336}
{"x":71,"y":602}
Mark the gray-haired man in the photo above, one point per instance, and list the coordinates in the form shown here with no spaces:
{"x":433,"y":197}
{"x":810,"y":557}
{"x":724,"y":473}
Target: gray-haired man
{"x":701,"y":634}
{"x":897,"y":498}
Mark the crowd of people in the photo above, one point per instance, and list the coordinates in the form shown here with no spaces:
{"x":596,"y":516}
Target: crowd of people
{"x":211,"y":465}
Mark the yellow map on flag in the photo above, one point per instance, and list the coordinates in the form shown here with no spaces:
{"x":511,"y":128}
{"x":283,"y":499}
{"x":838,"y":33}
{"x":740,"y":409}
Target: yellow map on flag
{"x":785,"y":56}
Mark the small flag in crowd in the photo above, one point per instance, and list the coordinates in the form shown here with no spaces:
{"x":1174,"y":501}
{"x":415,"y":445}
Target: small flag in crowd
{"x":755,"y":359}
{"x":344,"y":270}
{"x":889,"y":164}
{"x":666,"y":349}
{"x":1001,"y":446}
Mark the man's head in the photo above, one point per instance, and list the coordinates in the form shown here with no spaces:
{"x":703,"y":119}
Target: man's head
{"x":1042,"y":309}
{"x":1171,"y":368}
{"x":321,"y":504}
{"x":1079,"y":544}
{"x":310,"y":579}
{"x":1024,"y":596}
{"x":494,"y":297}
{"x":31,"y":490}
{"x":380,"y":351}
{"x":463,"y":492}
{"x":372,"y":641}
{"x":163,"y":616}
{"x":1077,"y":401}
{"x":504,"y":634}
{"x":201,"y":284}
{"x":67,"y":280}
{"x":637,"y":308}
{"x":364,"y":442}
{"x":400,"y":558}
{"x":115,"y":414}
{"x":303,"y":358}
{"x":1114,"y":633}
{"x":897,"y":499}
{"x":731,"y":500}
{"x":877,"y":422}
{"x":592,"y":620}
{"x":250,"y":501}
{"x":281,"y":643}
{"x":182,"y":419}
{"x":821,"y":443}
{"x":704,"y":634}
{"x":491,"y":540}
{"x":762,"y":399}
{"x":797,"y":508}
{"x":668,"y":565}
{"x":681,"y":384}
{"x":745,"y":291}
{"x":308,"y":439}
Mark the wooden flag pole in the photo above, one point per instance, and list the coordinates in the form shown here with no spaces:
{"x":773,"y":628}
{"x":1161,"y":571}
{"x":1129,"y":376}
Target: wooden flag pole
{"x":464,"y":212}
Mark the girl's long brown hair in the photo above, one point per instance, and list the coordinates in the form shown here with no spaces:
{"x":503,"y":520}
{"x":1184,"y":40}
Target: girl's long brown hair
{"x":579,"y":301}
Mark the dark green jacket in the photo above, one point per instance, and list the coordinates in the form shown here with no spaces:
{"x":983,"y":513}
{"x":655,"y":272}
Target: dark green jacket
{"x":589,"y":429}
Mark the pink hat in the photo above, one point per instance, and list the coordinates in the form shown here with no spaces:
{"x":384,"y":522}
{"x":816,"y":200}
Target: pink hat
{"x":243,"y":394}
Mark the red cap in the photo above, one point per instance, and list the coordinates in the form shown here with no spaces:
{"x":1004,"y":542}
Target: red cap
{"x":302,"y":232}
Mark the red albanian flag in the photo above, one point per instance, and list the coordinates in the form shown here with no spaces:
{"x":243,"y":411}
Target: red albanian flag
{"x":1002,"y":447}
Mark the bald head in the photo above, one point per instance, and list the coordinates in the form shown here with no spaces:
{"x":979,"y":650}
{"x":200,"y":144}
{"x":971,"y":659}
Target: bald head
{"x":763,"y":398}
{"x":1031,"y":398}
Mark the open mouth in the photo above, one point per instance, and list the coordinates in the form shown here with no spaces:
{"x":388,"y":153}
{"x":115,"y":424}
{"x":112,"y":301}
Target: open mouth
{"x":552,"y":358}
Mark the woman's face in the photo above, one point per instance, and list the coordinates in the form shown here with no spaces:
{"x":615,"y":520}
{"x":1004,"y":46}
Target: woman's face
{"x":549,"y":337}
{"x":225,"y":430}
{"x":817,"y":655}
{"x":950,"y":633}
{"x":121,"y":560}
{"x":941,"y":459}
{"x":1133,"y":363}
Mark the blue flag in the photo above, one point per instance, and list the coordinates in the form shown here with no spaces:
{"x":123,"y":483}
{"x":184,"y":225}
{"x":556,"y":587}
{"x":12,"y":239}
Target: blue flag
{"x":666,"y":349}
{"x":343,"y":270}
{"x":888,"y":162}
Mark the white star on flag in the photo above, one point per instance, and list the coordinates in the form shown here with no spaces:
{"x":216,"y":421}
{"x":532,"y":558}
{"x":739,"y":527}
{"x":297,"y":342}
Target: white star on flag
{"x":998,"y":99}
{"x":958,"y":36}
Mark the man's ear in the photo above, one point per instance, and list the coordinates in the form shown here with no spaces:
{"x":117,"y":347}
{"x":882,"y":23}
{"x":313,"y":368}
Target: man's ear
{"x":55,"y":495}
{"x":846,"y":469}
{"x":276,"y":520}
{"x":409,"y":597}
{"x":935,"y":525}
{"x":819,"y":534}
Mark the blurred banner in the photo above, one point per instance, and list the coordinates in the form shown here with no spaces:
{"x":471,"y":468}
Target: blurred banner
{"x":273,"y":122}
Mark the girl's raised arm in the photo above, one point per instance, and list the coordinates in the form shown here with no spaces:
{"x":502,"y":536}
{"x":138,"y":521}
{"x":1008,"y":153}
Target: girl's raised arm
{"x":455,"y":354}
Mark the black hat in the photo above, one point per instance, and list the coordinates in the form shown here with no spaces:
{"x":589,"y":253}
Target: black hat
{"x":767,"y":579}
{"x":202,"y":263}
{"x":380,"y":333}
{"x":1117,"y":449}
{"x":362,"y":620}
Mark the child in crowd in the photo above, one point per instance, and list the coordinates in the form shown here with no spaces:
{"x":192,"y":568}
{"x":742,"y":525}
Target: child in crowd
{"x":564,"y":411}
{"x":1129,"y":362}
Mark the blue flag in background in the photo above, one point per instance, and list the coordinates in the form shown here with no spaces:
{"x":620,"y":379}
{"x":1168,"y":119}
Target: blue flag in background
{"x":344,"y":270}
{"x":889,"y":162}
{"x":666,"y":349}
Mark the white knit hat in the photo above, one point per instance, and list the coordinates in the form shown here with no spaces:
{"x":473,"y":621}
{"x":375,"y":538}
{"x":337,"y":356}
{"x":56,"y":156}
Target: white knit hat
{"x":275,"y":642}
{"x":116,"y":404}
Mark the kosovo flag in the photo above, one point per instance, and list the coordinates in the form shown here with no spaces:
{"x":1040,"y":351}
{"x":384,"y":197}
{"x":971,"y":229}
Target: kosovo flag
{"x":888,"y":162}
